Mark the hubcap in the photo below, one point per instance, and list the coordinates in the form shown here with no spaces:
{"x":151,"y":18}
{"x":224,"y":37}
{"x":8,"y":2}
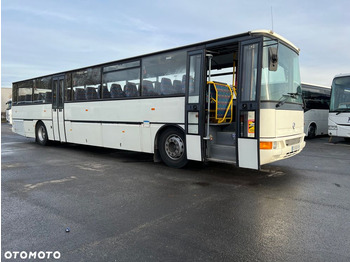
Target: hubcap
{"x":174,"y":147}
{"x":41,"y":133}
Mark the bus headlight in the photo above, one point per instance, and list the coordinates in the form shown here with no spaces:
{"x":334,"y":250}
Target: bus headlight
{"x":332,"y":127}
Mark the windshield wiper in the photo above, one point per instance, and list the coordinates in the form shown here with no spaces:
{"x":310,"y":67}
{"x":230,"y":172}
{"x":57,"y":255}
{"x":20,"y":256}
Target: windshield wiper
{"x":285,"y":97}
{"x":341,"y":110}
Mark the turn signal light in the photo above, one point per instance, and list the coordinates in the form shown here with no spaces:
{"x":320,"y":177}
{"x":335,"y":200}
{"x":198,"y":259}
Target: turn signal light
{"x":265,"y":145}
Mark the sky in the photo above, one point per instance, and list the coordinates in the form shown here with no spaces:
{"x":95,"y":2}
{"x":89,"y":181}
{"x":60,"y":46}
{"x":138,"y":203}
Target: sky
{"x":40,"y":37}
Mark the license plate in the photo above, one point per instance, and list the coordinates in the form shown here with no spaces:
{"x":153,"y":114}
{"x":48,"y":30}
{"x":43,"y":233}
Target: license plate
{"x":295,"y":148}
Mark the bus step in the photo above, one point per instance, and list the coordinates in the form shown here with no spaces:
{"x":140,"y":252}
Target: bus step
{"x":221,"y":161}
{"x":223,"y":152}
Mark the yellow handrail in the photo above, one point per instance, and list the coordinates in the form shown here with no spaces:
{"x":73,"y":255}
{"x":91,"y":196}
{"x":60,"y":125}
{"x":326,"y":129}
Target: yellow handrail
{"x":230,"y":104}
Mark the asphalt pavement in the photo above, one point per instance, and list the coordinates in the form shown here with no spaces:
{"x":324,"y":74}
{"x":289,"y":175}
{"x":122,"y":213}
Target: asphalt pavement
{"x":121,"y":206}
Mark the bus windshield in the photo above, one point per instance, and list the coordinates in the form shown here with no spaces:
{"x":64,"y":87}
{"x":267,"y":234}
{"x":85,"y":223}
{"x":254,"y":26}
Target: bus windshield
{"x":340,"y":97}
{"x":282,"y":85}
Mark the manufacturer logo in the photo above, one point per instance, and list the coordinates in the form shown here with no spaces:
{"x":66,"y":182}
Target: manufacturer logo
{"x":293,"y":125}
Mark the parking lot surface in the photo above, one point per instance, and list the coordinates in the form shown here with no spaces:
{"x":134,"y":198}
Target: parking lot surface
{"x":120,"y":206}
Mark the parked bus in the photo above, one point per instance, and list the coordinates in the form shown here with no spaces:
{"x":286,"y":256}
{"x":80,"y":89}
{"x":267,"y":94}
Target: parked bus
{"x":9,"y":111}
{"x":339,"y":111}
{"x":316,"y":107}
{"x":177,"y":104}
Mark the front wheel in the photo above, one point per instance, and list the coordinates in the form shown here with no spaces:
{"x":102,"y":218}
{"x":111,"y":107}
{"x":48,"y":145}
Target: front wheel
{"x":41,"y":134}
{"x":172,"y":148}
{"x":312,"y":131}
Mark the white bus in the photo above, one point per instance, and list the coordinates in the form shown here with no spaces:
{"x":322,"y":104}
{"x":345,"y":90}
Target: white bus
{"x":9,"y":111}
{"x":339,"y":111}
{"x":159,"y":103}
{"x":316,"y":107}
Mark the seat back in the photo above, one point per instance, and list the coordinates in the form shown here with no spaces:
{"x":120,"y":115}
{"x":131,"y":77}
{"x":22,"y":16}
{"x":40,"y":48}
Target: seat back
{"x":116,"y":91}
{"x":80,"y":94}
{"x":166,"y":87}
{"x":105,"y":92}
{"x":91,"y":93}
{"x":130,"y":90}
{"x":147,"y":88}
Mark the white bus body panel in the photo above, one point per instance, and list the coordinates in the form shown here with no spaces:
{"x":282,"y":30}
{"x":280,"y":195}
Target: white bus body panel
{"x":122,"y":124}
{"x":285,"y":129}
{"x":193,"y":147}
{"x":319,"y":117}
{"x":248,"y":155}
{"x":25,"y":118}
{"x":341,"y":122}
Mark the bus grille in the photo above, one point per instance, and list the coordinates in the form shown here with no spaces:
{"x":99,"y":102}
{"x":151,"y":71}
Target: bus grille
{"x":294,"y":141}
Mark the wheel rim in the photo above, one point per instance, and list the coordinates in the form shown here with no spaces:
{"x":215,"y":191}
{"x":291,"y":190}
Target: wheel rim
{"x":174,"y":147}
{"x":41,"y":133}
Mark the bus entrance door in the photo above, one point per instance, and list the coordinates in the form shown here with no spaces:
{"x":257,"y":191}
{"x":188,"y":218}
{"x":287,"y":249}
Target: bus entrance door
{"x":58,"y":109}
{"x":248,"y":105}
{"x":193,"y":110}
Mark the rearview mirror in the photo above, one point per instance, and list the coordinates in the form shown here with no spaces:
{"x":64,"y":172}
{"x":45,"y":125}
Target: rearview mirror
{"x":273,"y":58}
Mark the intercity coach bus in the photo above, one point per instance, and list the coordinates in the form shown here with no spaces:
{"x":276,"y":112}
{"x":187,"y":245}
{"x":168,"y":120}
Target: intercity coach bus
{"x":316,"y":107}
{"x":233,"y":100}
{"x":339,"y":110}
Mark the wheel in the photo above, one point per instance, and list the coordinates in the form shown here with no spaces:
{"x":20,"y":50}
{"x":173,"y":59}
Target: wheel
{"x":172,"y":148}
{"x":312,"y":131}
{"x":41,"y":134}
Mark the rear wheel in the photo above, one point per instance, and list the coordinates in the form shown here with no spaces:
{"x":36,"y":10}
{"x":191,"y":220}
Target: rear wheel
{"x":172,"y":148}
{"x":41,"y":134}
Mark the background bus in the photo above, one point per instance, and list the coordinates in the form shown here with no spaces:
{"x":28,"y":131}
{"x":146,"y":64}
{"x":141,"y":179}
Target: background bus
{"x":316,"y":107}
{"x":9,"y":111}
{"x":339,"y":111}
{"x":177,"y":104}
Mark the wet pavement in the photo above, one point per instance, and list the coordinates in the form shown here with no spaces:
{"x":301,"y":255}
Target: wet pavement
{"x":120,"y":206}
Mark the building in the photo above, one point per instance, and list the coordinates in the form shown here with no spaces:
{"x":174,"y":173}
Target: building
{"x":6,"y":94}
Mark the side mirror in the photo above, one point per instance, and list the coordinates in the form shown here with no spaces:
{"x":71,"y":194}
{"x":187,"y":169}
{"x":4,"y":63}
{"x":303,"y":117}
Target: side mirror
{"x":273,"y":58}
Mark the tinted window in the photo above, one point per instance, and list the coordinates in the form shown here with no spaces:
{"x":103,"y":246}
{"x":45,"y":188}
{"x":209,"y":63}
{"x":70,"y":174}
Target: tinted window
{"x":25,"y":92}
{"x":164,"y":74}
{"x":86,"y":84}
{"x":121,"y":83}
{"x":42,"y":90}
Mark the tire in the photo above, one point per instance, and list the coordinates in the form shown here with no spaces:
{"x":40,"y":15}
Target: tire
{"x":41,"y":134}
{"x":312,"y":131}
{"x":172,"y":148}
{"x":347,"y":139}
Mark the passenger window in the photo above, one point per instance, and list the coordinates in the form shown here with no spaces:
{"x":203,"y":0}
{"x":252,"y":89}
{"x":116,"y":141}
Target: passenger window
{"x":42,"y":90}
{"x":121,"y":83}
{"x":25,"y":92}
{"x":164,"y":74}
{"x":68,"y":88}
{"x":86,"y":84}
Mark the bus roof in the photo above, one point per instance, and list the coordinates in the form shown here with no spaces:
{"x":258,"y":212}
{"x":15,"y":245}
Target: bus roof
{"x":314,"y":85}
{"x":209,"y":43}
{"x":342,"y":75}
{"x":272,"y":34}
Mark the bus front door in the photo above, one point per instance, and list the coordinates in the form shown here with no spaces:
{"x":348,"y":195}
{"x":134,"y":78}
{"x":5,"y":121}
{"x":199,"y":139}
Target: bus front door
{"x":58,"y":109}
{"x":193,"y":110}
{"x":248,"y":105}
